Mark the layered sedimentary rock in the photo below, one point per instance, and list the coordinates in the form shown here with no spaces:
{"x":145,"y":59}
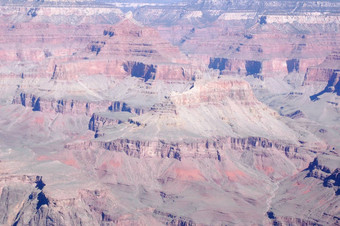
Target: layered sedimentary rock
{"x":171,"y":129}
{"x":99,"y":120}
{"x":270,"y":5}
{"x":324,"y":71}
{"x":126,"y":49}
{"x":324,"y":168}
{"x":317,"y":186}
{"x":21,"y":195}
{"x":165,"y":123}
{"x":279,"y":46}
{"x":24,"y":202}
{"x":333,"y":86}
{"x":63,"y":106}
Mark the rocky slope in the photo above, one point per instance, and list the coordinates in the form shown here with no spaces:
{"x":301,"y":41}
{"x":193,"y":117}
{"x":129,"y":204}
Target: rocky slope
{"x":318,"y":186}
{"x":49,"y":76}
{"x":173,"y":114}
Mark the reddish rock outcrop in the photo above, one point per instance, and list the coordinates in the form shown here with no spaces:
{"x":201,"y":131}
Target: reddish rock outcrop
{"x":324,"y":71}
{"x":130,"y":127}
{"x":316,"y":190}
{"x":63,"y":106}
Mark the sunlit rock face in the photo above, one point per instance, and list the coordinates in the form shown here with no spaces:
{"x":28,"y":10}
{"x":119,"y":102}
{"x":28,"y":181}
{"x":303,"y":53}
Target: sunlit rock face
{"x":202,"y":112}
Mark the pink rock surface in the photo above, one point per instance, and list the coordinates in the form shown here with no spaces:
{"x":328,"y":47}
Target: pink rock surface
{"x":202,"y":117}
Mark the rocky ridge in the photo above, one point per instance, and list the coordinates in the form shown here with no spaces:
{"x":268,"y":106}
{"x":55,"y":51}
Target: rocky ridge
{"x":126,"y":127}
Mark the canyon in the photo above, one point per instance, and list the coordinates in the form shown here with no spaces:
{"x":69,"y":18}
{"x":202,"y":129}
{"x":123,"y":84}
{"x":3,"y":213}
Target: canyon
{"x":174,"y":113}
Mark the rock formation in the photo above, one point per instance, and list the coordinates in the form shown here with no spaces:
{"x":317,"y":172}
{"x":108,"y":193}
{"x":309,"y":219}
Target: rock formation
{"x":317,"y":185}
{"x":193,"y":113}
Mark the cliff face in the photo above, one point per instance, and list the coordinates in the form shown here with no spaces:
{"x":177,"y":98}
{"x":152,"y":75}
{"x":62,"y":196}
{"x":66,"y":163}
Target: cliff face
{"x":316,"y":186}
{"x":98,"y":120}
{"x":63,"y":106}
{"x":326,"y":73}
{"x":72,"y":60}
{"x":25,"y":203}
{"x":323,"y":168}
{"x":276,"y":42}
{"x":197,"y":114}
{"x":269,"y":5}
{"x":169,"y":129}
{"x":21,"y":196}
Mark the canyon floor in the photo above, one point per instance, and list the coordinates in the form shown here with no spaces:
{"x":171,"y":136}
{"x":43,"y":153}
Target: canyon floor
{"x":174,"y":113}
